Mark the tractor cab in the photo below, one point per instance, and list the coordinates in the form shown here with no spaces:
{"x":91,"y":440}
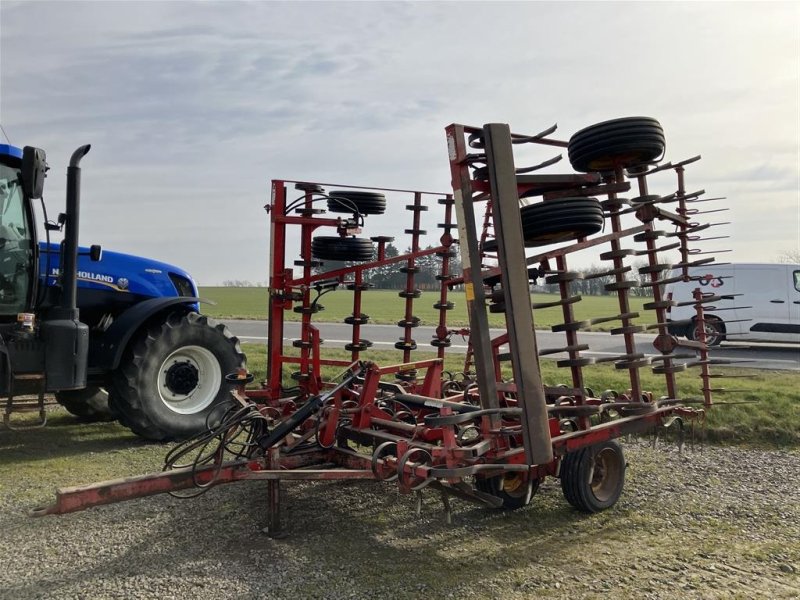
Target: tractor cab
{"x":18,"y":247}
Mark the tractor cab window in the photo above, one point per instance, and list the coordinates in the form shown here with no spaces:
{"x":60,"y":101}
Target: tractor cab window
{"x":16,"y":245}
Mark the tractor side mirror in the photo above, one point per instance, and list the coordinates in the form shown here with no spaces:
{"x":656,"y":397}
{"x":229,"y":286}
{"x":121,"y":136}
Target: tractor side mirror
{"x":34,"y":169}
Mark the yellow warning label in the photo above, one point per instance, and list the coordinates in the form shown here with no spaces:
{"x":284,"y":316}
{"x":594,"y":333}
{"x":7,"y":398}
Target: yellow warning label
{"x":469,"y":290}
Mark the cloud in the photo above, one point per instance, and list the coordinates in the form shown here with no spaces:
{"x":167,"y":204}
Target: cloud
{"x":193,"y":107}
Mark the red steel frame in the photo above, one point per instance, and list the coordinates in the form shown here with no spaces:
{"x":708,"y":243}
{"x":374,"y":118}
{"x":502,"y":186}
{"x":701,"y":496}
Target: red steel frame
{"x":420,"y":438}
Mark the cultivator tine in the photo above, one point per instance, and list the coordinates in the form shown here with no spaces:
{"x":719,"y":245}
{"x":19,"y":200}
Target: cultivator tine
{"x":561,"y":302}
{"x":528,"y":139}
{"x":541,"y":165}
{"x":575,"y":348}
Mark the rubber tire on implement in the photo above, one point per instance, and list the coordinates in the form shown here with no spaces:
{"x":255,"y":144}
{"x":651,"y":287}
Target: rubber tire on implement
{"x":592,"y":478}
{"x":626,"y":142}
{"x":561,"y":220}
{"x":353,"y":201}
{"x":512,"y":488}
{"x":166,"y":358}
{"x":333,"y":247}
{"x":90,"y":404}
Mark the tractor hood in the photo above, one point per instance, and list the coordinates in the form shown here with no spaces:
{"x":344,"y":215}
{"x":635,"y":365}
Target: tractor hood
{"x":122,"y":273}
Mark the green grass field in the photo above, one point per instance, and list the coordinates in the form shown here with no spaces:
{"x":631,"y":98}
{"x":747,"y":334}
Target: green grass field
{"x":386,"y":307}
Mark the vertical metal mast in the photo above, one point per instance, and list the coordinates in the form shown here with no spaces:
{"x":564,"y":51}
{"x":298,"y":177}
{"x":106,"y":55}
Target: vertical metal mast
{"x":519,"y":313}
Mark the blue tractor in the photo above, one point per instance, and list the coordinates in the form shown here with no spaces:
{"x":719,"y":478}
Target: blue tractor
{"x":111,"y":335}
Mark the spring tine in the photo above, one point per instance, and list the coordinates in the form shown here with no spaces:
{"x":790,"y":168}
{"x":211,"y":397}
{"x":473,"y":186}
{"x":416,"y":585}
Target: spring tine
{"x":691,"y":196}
{"x":697,"y":263}
{"x":696,"y":251}
{"x":524,"y":139}
{"x":672,"y":357}
{"x":708,"y":239}
{"x":575,"y":348}
{"x":707,"y":299}
{"x":475,"y":140}
{"x":673,"y":323}
{"x":562,"y":302}
{"x":708,"y":212}
{"x":688,"y":161}
{"x":662,"y":249}
{"x":630,"y":315}
{"x":619,"y":271}
{"x":541,"y":165}
{"x":665,"y":166}
{"x":706,"y":200}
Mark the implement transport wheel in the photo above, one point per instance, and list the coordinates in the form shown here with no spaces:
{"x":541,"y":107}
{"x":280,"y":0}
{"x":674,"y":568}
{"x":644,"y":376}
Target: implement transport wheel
{"x":352,"y":201}
{"x":714,"y":330}
{"x":592,"y":478}
{"x":626,"y":142}
{"x":173,"y":375}
{"x":554,"y":221}
{"x":90,"y":404}
{"x":333,"y":247}
{"x":515,"y":489}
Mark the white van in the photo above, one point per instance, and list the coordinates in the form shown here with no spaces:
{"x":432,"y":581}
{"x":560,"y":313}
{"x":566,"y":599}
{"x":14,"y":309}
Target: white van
{"x":766,"y":307}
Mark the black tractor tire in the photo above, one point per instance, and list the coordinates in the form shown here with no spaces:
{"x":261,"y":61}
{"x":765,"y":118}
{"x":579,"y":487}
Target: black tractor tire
{"x":90,"y":404}
{"x":715,"y":331}
{"x":356,"y":202}
{"x":592,"y":478}
{"x":333,"y":247}
{"x":626,"y":143}
{"x":560,"y":220}
{"x":173,"y":375}
{"x":513,"y":488}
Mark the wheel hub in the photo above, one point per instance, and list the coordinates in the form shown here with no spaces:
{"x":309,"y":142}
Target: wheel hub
{"x":182,"y":377}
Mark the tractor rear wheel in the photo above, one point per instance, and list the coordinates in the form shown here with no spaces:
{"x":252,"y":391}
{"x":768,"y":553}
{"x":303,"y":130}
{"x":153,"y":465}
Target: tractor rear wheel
{"x":90,"y":404}
{"x":592,"y":478}
{"x":173,"y":376}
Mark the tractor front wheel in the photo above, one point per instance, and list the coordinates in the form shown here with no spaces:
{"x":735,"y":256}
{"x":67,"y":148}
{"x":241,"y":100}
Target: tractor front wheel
{"x":173,"y":376}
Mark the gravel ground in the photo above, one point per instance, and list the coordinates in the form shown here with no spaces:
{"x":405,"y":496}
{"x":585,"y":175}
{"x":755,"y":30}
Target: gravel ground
{"x":721,"y":523}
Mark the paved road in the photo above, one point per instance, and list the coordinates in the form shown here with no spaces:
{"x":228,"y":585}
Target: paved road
{"x":757,"y":356}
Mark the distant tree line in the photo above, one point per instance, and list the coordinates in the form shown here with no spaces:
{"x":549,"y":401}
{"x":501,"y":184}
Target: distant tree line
{"x":244,"y":283}
{"x":593,"y":283}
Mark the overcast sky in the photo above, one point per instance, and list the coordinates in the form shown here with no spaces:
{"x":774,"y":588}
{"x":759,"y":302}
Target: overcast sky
{"x":192,"y":108}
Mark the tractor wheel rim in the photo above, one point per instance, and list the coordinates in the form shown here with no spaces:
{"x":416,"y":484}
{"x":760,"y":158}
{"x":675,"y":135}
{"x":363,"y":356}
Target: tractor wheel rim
{"x":189,"y":379}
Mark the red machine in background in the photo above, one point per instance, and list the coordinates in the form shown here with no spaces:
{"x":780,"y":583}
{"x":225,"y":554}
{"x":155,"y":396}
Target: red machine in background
{"x":482,"y":438}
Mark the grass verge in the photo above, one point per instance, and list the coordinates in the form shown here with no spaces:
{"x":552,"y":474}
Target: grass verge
{"x":386,"y":307}
{"x":763,"y":410}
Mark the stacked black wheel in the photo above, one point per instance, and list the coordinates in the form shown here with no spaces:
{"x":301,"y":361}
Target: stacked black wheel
{"x":354,"y":201}
{"x":560,"y":220}
{"x":626,"y":142}
{"x":334,"y":247}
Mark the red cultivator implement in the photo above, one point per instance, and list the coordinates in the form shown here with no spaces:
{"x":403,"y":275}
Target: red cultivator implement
{"x":476,"y":436}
